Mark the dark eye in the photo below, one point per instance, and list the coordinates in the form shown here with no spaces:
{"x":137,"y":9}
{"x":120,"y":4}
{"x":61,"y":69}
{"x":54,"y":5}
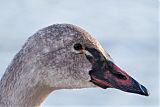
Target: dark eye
{"x":78,"y":46}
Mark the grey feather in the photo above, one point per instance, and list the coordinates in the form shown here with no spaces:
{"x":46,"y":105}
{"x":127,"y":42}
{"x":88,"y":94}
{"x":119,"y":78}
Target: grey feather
{"x":47,"y":62}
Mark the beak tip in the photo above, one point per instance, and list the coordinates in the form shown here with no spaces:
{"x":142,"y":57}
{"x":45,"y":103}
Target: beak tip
{"x":144,"y":91}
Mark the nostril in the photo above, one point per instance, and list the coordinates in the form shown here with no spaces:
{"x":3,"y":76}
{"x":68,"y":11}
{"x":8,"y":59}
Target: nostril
{"x":119,"y":75}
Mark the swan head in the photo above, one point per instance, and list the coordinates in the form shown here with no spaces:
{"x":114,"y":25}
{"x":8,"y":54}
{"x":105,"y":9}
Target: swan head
{"x":66,"y":56}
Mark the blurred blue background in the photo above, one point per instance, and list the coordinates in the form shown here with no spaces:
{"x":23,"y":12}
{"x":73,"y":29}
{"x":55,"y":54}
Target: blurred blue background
{"x":127,"y":29}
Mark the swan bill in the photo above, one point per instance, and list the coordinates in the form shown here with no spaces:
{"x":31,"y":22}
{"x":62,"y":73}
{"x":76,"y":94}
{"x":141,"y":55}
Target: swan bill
{"x":106,"y":74}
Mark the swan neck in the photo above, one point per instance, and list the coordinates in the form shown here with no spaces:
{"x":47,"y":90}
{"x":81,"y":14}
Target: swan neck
{"x":22,"y":88}
{"x":24,"y":97}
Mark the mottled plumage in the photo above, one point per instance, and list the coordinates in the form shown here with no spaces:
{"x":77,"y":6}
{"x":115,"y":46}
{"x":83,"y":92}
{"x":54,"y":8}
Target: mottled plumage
{"x":47,"y":60}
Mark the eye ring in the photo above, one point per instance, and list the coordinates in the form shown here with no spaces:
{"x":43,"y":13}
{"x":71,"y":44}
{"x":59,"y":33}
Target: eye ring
{"x":78,"y":47}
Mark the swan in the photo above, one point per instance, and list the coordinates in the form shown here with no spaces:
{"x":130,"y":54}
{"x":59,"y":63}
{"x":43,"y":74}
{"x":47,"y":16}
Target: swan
{"x":60,"y":56}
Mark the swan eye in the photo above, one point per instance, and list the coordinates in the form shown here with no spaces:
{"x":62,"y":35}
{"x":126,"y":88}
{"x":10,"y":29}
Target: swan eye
{"x":78,"y":47}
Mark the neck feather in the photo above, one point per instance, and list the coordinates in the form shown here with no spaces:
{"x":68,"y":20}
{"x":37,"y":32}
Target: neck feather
{"x":22,"y":94}
{"x":21,"y":87}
